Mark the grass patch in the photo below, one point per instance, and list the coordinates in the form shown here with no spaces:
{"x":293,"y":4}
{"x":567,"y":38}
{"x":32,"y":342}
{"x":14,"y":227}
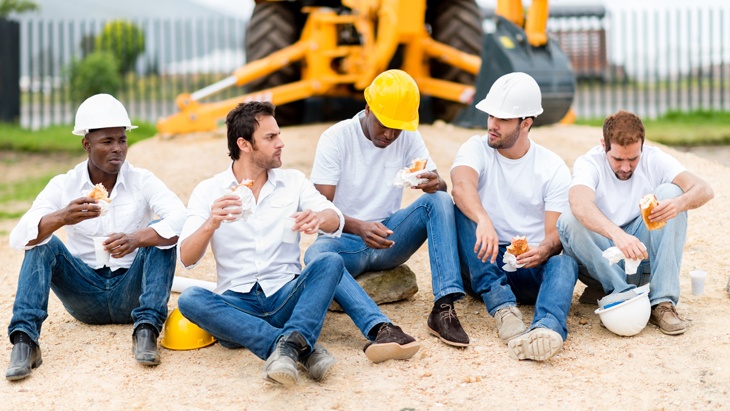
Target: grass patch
{"x":58,"y":138}
{"x":684,"y":128}
{"x":25,"y":190}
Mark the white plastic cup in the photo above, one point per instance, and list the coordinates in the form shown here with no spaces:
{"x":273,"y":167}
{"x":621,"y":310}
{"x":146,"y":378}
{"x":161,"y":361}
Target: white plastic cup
{"x":289,"y":235}
{"x":698,"y":281}
{"x":102,"y":255}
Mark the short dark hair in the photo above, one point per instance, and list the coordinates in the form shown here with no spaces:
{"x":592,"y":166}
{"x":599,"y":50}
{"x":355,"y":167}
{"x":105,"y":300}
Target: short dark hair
{"x":242,"y":121}
{"x":623,"y":128}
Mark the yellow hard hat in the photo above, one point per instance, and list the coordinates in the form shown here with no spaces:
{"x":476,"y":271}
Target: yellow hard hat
{"x":181,"y":334}
{"x":394,"y":98}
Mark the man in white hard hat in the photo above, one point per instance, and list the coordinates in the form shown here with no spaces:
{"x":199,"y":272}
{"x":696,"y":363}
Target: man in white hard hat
{"x":608,"y":184}
{"x":506,"y":186}
{"x":133,"y":286}
{"x":264,"y":300}
{"x":354,"y":166}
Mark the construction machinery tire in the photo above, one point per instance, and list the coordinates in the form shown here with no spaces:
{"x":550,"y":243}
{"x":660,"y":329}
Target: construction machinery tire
{"x":274,"y":26}
{"x":457,"y":23}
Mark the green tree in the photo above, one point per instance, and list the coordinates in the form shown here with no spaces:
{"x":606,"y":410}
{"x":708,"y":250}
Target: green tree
{"x":123,"y":39}
{"x":16,"y":6}
{"x":96,"y":73}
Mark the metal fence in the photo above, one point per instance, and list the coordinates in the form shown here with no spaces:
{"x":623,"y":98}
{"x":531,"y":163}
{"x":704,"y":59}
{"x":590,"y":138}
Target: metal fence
{"x":646,"y":61}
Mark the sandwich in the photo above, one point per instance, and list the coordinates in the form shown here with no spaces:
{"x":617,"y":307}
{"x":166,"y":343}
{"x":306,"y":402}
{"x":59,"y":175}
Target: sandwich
{"x":245,"y":183}
{"x":519,"y":246}
{"x":417,"y":165}
{"x":99,"y":193}
{"x":647,"y":203}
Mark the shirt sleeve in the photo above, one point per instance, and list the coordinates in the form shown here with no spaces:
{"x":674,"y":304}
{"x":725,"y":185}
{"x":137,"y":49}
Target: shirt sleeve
{"x":197,"y":213}
{"x":556,"y":195}
{"x":311,"y":199}
{"x":469,"y":155}
{"x":326,"y":168}
{"x":166,"y":205}
{"x":47,"y":202}
{"x":585,"y":173}
{"x":418,"y":149}
{"x":666,"y":167}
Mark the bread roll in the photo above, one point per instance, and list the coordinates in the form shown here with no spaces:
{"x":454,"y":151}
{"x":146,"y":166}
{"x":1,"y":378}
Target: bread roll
{"x":519,"y":246}
{"x":647,"y":203}
{"x":417,"y":165}
{"x":99,"y":193}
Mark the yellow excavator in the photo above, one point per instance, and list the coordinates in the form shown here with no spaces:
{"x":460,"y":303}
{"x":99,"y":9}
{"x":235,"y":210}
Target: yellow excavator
{"x":332,"y":49}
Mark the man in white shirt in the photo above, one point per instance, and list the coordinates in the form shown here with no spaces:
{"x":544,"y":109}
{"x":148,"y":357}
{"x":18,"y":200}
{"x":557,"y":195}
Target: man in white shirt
{"x":133,"y":286}
{"x":506,"y":186}
{"x":608,"y":183}
{"x":264,"y":300}
{"x":354,"y":166}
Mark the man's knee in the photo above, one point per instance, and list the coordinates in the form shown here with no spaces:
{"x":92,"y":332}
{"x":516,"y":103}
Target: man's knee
{"x":190,"y":301}
{"x":330,"y":259}
{"x":668,"y":190}
{"x":566,"y":267}
{"x":319,"y":246}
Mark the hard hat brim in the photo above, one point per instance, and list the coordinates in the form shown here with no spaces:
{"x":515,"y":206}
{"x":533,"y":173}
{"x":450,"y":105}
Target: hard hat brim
{"x":484,"y":106}
{"x":84,"y":131}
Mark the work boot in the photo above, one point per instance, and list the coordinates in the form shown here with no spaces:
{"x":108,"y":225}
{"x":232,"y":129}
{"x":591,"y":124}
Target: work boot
{"x":444,"y":324}
{"x":281,"y":366}
{"x":539,"y":344}
{"x":319,"y":363}
{"x":509,"y":323}
{"x":25,"y":356}
{"x":591,"y":296}
{"x":665,"y":316}
{"x":144,"y":344}
{"x":391,"y":343}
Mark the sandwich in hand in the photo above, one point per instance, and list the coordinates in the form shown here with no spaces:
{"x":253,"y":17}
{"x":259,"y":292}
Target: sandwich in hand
{"x":647,"y":203}
{"x":519,"y":246}
{"x":99,"y":193}
{"x":417,"y":165}
{"x":245,"y":183}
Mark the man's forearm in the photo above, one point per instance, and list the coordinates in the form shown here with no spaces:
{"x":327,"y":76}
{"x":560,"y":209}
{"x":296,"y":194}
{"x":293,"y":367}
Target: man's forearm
{"x":47,"y":226}
{"x":192,"y":249}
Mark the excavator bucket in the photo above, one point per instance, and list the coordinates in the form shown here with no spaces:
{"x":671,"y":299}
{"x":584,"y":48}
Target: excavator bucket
{"x":506,"y":50}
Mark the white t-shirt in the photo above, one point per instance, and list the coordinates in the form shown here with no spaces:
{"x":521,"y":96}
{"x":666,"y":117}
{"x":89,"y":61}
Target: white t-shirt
{"x":618,"y":199}
{"x":517,"y":193}
{"x":362,"y":173}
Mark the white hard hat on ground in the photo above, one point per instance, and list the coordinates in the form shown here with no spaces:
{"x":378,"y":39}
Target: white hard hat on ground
{"x":101,"y":111}
{"x":514,"y":95}
{"x":627,"y":317}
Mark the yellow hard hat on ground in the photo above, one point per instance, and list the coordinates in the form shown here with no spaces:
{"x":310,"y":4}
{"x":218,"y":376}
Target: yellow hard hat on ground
{"x":181,"y":334}
{"x":394,"y":98}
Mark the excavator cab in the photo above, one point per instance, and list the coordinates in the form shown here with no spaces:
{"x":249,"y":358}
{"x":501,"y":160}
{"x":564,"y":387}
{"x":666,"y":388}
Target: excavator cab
{"x":328,"y":51}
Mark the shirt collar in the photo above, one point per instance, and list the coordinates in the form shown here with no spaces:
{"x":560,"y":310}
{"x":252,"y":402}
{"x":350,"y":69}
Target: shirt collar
{"x":84,"y":181}
{"x":226,"y":179}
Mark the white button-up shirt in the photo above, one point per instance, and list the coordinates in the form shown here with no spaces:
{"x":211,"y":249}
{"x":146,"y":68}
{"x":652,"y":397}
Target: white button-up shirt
{"x":252,"y":251}
{"x":135,"y":200}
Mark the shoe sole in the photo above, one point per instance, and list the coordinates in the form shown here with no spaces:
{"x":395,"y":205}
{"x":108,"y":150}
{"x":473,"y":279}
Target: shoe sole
{"x":668,"y":332}
{"x":323,"y":374}
{"x":537,"y":346}
{"x":391,"y":351}
{"x":444,"y":340}
{"x":282,"y":377}
{"x":20,"y":377}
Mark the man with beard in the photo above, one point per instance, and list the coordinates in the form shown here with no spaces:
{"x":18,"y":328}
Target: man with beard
{"x":133,"y":286}
{"x":264,"y":300}
{"x":608,"y":183}
{"x":507,"y":186}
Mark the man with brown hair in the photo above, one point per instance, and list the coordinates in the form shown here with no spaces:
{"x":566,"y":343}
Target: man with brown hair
{"x":608,"y":183}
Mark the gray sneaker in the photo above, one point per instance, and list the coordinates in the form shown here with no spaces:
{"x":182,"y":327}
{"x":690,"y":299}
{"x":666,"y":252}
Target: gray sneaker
{"x":509,"y":323}
{"x":281,"y":366}
{"x":319,"y":363}
{"x":538,"y":344}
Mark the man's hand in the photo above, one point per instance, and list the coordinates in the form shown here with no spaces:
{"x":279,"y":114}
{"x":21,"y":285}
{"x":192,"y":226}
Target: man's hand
{"x":374,"y":235}
{"x":306,"y":221}
{"x":630,"y":246}
{"x":219,"y":212}
{"x":665,"y":210}
{"x":80,"y":209}
{"x":432,"y":185}
{"x":487,"y":242}
{"x":533,"y":257}
{"x":120,"y":244}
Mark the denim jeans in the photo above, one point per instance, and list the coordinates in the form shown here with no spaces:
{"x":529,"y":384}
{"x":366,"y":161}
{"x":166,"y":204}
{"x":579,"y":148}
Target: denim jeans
{"x":255,"y":321}
{"x":664,"y":247}
{"x":548,"y":286}
{"x":430,"y":217}
{"x":136,"y":295}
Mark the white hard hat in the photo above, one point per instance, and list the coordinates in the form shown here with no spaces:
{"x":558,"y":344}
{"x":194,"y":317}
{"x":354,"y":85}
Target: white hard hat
{"x":101,"y":111}
{"x":514,"y":95}
{"x":629,"y":317}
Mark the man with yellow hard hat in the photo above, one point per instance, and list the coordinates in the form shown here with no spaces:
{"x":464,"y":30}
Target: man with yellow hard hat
{"x":354,"y":167}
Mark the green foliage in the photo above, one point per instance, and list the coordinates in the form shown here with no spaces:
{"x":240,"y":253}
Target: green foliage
{"x":96,"y":73}
{"x":59,"y":138}
{"x":16,"y":6}
{"x":123,"y":39}
{"x":675,"y":128}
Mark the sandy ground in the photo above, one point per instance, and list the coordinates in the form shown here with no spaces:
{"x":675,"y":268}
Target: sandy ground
{"x":91,"y":367}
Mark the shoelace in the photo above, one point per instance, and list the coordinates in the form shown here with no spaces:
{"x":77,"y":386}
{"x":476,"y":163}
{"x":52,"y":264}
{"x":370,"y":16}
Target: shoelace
{"x":449,"y":312}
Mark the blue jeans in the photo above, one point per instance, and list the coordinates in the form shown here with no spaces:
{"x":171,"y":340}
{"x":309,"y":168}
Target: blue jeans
{"x":255,"y":321}
{"x":664,"y":247}
{"x":548,"y":286}
{"x":430,"y":217}
{"x":136,"y":295}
